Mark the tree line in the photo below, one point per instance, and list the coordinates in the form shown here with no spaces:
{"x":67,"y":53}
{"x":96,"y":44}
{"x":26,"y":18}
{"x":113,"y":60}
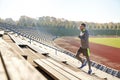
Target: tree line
{"x":58,"y":22}
{"x":63,"y":27}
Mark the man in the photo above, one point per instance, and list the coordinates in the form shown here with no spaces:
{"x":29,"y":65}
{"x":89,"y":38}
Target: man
{"x":84,"y":48}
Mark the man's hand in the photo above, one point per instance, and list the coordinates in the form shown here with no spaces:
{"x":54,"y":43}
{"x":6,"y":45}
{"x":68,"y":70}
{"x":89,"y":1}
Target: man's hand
{"x":81,"y":33}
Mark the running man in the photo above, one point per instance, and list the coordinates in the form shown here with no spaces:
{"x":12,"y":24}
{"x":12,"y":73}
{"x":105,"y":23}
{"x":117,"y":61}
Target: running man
{"x":84,"y":48}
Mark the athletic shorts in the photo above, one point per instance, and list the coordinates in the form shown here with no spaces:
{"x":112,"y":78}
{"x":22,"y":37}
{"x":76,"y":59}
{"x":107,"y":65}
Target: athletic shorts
{"x":86,"y":51}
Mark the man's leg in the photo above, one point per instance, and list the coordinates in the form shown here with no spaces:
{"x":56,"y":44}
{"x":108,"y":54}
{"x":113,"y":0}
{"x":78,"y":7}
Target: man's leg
{"x":88,"y":60}
{"x":80,"y":59}
{"x":89,"y":63}
{"x":78,"y":55}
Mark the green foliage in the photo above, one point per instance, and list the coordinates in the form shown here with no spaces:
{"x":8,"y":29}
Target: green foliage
{"x":107,"y":32}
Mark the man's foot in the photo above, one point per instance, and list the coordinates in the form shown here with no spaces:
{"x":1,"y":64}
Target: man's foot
{"x":84,"y":64}
{"x":90,"y":71}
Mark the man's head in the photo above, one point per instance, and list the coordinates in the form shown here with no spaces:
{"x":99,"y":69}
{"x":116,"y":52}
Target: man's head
{"x":82,"y":26}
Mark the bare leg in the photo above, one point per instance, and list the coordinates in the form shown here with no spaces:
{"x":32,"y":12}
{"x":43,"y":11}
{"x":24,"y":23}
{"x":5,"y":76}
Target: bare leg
{"x":89,"y":63}
{"x":78,"y":56}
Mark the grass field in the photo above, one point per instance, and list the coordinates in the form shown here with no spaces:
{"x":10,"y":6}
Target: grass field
{"x":114,"y":42}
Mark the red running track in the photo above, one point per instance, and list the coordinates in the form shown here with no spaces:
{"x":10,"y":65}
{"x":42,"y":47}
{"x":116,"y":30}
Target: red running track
{"x":112,"y":54}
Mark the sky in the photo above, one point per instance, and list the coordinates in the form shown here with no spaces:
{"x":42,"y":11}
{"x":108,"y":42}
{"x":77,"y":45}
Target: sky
{"x":101,"y":11}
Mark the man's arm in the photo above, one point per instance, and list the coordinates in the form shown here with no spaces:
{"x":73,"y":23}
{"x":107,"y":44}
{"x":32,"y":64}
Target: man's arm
{"x":83,"y":35}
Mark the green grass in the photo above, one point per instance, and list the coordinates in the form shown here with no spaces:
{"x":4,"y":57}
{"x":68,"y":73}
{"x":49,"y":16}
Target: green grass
{"x":114,"y":42}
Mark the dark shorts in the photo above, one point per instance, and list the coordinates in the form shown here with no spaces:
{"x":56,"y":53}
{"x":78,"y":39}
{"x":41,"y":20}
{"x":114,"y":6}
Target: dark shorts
{"x":85,"y":51}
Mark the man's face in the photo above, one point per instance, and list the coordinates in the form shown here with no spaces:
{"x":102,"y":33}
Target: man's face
{"x":81,"y":27}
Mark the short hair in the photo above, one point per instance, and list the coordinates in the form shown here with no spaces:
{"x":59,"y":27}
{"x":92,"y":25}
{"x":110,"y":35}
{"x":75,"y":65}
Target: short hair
{"x":83,"y":24}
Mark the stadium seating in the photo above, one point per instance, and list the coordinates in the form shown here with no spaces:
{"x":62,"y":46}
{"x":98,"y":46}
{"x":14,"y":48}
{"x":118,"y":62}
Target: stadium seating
{"x":41,"y":36}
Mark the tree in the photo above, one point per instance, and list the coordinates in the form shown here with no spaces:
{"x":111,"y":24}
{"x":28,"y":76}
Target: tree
{"x":10,"y":21}
{"x":1,"y":20}
{"x":26,"y":21}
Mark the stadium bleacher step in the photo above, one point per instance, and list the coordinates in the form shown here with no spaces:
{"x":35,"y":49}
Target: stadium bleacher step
{"x":61,"y":70}
{"x":52,"y":72}
{"x":3,"y":75}
{"x":17,"y":67}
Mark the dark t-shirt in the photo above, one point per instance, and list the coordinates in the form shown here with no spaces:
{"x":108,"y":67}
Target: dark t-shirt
{"x":84,"y":36}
